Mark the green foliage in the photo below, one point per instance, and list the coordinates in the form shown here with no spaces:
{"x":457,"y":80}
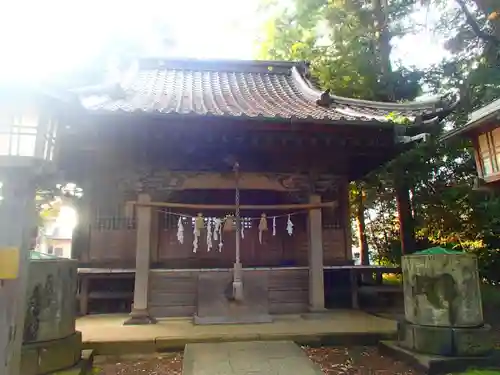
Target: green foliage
{"x":49,"y":201}
{"x":398,"y":118}
{"x":341,"y":39}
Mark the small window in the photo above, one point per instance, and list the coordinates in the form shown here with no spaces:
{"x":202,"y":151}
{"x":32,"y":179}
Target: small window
{"x":50,"y":250}
{"x":489,"y":152}
{"x":487,"y":166}
{"x":58,"y":251}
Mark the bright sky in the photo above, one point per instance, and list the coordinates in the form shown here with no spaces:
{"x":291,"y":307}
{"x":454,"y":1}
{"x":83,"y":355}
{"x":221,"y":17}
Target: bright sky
{"x":40,"y":38}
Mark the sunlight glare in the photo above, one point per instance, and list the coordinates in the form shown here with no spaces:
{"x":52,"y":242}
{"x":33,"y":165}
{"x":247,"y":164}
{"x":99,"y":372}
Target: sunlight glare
{"x":41,"y":39}
{"x":67,"y":220}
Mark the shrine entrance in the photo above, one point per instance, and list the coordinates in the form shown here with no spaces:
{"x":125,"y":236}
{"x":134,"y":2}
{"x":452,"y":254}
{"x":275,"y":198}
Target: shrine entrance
{"x":207,"y":240}
{"x":217,"y":248}
{"x":228,"y":295}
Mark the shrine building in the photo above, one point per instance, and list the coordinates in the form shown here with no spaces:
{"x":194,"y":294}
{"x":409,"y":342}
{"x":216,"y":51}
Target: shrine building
{"x":170,"y":152}
{"x":483,"y":129}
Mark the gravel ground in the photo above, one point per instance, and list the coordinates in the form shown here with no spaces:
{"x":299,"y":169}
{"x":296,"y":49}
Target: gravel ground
{"x":356,"y":361}
{"x":160,"y":364}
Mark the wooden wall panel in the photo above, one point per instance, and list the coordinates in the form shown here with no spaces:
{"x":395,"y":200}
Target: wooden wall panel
{"x":112,"y":241}
{"x":112,"y":246}
{"x":334,"y":251}
{"x":288,"y":291}
{"x":271,"y":252}
{"x":173,"y":293}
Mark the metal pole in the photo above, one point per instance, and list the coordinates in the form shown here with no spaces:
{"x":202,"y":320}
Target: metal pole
{"x":237,"y":271}
{"x":17,"y":219}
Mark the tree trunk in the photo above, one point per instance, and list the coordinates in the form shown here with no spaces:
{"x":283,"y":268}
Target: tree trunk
{"x":487,"y":7}
{"x":384,"y":47}
{"x":492,"y":39}
{"x":360,"y":221}
{"x":406,"y":222}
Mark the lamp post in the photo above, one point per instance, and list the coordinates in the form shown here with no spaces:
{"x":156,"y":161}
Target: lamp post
{"x":27,"y":144}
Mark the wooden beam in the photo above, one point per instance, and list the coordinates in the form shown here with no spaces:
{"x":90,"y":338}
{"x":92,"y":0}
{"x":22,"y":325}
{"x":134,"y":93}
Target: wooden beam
{"x":284,"y":207}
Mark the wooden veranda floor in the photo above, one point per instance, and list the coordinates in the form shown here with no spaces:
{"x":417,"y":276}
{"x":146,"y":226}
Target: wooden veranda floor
{"x":106,"y":334}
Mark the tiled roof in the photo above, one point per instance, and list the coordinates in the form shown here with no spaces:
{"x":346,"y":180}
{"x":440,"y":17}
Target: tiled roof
{"x":254,"y":89}
{"x":476,"y":119}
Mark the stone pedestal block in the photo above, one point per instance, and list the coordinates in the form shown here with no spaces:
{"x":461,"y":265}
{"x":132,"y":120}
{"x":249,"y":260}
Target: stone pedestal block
{"x":442,"y":290}
{"x":445,"y":341}
{"x":472,"y":341}
{"x":444,"y":329}
{"x":433,"y":340}
{"x":50,"y":356}
{"x":50,"y":300}
{"x":434,"y":364}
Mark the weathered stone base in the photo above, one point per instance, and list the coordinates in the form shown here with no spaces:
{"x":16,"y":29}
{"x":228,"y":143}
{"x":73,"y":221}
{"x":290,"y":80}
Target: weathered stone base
{"x":445,"y":341}
{"x":84,"y":367}
{"x":434,"y":364}
{"x":139,"y":317}
{"x":51,"y":356}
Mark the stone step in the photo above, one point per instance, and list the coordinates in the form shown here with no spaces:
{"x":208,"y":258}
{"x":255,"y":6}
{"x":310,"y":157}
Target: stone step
{"x":251,"y":357}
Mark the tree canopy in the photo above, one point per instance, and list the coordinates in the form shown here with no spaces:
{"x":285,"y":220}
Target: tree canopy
{"x":349,"y":44}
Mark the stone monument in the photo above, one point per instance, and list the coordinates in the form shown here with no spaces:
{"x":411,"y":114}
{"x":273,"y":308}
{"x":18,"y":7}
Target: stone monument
{"x":443,"y":328}
{"x":50,"y":342}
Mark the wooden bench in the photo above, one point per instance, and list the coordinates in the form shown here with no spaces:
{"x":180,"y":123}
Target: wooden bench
{"x":381,"y":289}
{"x":378,"y":271}
{"x":86,"y":294}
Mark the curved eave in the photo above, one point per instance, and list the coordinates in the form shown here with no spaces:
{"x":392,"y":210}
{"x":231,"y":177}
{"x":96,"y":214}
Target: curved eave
{"x":243,"y":117}
{"x":434,"y":107}
{"x":415,"y":127}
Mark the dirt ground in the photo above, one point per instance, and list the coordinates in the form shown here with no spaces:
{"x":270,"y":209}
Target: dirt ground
{"x":160,"y":364}
{"x":332,"y":360}
{"x":356,"y":361}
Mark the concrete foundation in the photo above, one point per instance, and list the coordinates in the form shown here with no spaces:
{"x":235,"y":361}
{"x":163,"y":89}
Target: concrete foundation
{"x":435,"y":364}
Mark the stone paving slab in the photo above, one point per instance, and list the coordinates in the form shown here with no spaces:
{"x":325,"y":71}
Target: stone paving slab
{"x":106,"y":334}
{"x":247,"y":358}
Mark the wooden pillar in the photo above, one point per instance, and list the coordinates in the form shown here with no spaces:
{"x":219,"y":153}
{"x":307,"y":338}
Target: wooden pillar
{"x":80,"y":243}
{"x":345,"y":212}
{"x":155,"y":236}
{"x":315,"y":234}
{"x":140,"y":314}
{"x":84,"y":295}
{"x":405,"y":215}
